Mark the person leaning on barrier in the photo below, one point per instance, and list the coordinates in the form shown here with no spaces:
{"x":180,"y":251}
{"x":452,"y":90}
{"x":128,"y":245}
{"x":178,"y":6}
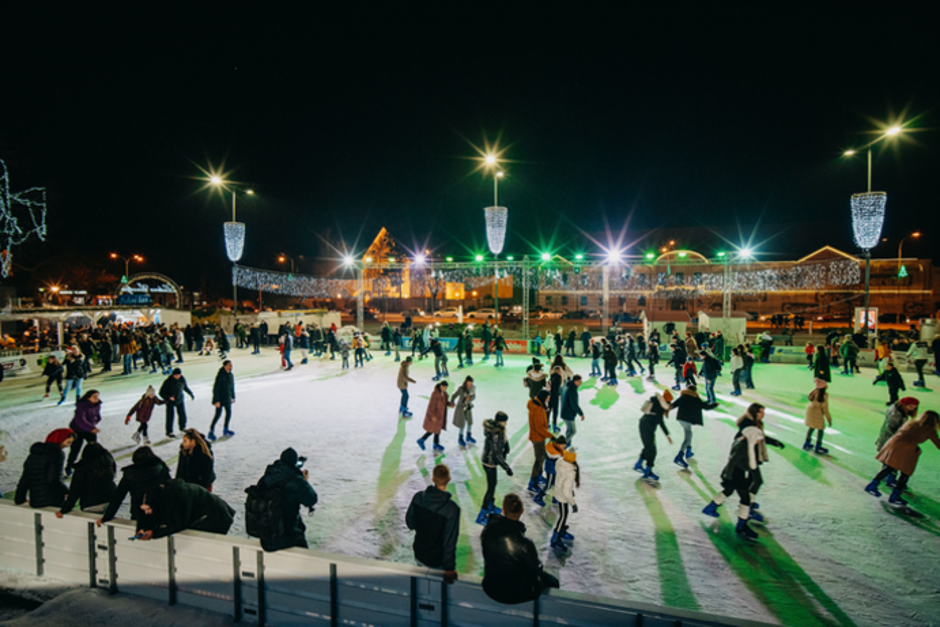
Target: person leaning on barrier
{"x":41,"y":480}
{"x":435,"y":519}
{"x":512,"y":569}
{"x":176,"y":505}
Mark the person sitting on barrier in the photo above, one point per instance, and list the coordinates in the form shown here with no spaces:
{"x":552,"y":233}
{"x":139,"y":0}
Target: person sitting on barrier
{"x":146,"y":471}
{"x":285,"y":483}
{"x":435,"y":519}
{"x":176,"y":506}
{"x":42,"y":472}
{"x":512,"y":569}
{"x":93,"y":481}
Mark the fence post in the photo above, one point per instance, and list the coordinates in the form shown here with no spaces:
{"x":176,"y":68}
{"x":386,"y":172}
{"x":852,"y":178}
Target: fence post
{"x":237,"y":583}
{"x":92,"y":554}
{"x":171,"y":570}
{"x":37,"y":539}
{"x":112,"y":562}
{"x":262,"y":614}
{"x":414,"y":602}
{"x":535,"y":611}
{"x":334,"y":600}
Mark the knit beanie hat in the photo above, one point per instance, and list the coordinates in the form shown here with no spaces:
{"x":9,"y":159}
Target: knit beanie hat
{"x":177,"y":371}
{"x":289,"y":457}
{"x":667,"y":396}
{"x":150,"y":391}
{"x":59,"y":436}
{"x":909,"y":400}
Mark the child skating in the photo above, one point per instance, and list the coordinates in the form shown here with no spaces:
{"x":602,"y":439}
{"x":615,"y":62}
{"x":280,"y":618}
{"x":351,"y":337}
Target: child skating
{"x":495,"y":450}
{"x":816,"y":417}
{"x":143,"y":408}
{"x":568,"y":477}
{"x":895,"y":382}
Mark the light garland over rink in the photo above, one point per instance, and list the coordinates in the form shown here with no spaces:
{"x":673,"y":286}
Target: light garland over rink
{"x":679,"y":281}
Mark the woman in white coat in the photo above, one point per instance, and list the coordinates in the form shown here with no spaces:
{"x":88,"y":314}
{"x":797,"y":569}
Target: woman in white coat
{"x":567,"y":478}
{"x":463,"y":410}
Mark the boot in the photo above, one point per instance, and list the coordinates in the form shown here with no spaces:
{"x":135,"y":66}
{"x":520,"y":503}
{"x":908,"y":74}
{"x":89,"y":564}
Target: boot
{"x":421,"y":444}
{"x":539,"y":499}
{"x":648,"y":474}
{"x":890,"y":481}
{"x":567,"y":537}
{"x":711,"y":510}
{"x":688,"y":452}
{"x":482,"y":516}
{"x":638,"y":466}
{"x":136,"y":437}
{"x":470,"y":439}
{"x":807,"y":446}
{"x":460,"y":441}
{"x":407,"y":414}
{"x":228,"y":432}
{"x":533,"y":486}
{"x":680,"y":462}
{"x":872,"y":488}
{"x":146,"y":441}
{"x":541,"y":480}
{"x":744,"y":531}
{"x":755,"y":514}
{"x":438,"y":447}
{"x":895,"y":498}
{"x":821,"y":450}
{"x":493,"y":509}
{"x":557,"y":543}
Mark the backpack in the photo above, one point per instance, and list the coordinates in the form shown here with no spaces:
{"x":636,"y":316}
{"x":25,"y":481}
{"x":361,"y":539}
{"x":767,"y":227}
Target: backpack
{"x":264,"y":511}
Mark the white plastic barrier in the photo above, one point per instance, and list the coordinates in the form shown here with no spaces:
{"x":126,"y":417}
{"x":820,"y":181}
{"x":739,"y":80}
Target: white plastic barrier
{"x":233,"y":576}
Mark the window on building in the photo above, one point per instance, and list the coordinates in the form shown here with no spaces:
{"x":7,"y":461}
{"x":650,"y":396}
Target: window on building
{"x":680,"y":278}
{"x":564,"y":301}
{"x":548,"y":300}
{"x":697,"y":278}
{"x":583,"y":301}
{"x":622,"y":300}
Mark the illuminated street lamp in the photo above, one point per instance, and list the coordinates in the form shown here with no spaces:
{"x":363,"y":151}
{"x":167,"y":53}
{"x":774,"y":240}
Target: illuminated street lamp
{"x":915,"y":235}
{"x":496,"y":220}
{"x":234,"y":234}
{"x":283,"y":258}
{"x":127,"y":261}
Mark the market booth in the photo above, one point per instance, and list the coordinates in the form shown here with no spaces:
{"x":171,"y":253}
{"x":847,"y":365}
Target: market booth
{"x":666,"y":322}
{"x":733,"y":328}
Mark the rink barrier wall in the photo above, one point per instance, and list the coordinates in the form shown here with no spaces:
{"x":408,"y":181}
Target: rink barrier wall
{"x":233,"y":576}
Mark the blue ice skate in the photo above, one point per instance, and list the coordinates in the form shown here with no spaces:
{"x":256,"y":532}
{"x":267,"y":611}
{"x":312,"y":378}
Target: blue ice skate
{"x":744,"y":531}
{"x":680,"y":462}
{"x":711,"y":509}
{"x":483,"y":516}
{"x":872,"y":488}
{"x":638,"y":466}
{"x":211,"y":436}
{"x":558,"y":544}
{"x":460,"y":441}
{"x":895,"y":498}
{"x":688,"y":452}
{"x":648,"y":474}
{"x":421,"y":444}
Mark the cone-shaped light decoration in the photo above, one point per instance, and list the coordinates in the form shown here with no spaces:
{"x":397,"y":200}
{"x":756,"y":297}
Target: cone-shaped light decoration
{"x":868,"y":216}
{"x":234,"y":240}
{"x":496,"y":218}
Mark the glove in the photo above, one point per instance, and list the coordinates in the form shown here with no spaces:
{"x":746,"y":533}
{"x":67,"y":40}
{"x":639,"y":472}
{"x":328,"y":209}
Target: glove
{"x":127,"y":420}
{"x":780,"y":445}
{"x":574,"y":509}
{"x":509,"y":471}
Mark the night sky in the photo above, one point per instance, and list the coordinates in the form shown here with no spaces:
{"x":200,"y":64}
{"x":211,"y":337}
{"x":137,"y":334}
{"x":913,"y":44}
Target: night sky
{"x":344,"y":123}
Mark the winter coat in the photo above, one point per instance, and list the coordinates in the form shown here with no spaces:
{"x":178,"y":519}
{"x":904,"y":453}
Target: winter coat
{"x":572,"y":336}
{"x":565,"y":475}
{"x":496,"y":448}
{"x":144,"y":408}
{"x":435,"y":519}
{"x":689,"y":407}
{"x":737,"y":363}
{"x":74,"y":367}
{"x":848,"y":350}
{"x":463,"y":406}
{"x":817,"y":413}
{"x":821,"y":367}
{"x":535,"y":380}
{"x":746,"y":453}
{"x":570,"y":408}
{"x":196,"y":467}
{"x":174,"y":388}
{"x":295,"y":491}
{"x":893,"y":378}
{"x":53,"y":371}
{"x":894,"y":419}
{"x":128,"y":345}
{"x":555,"y":383}
{"x":223,"y":390}
{"x":901,"y":452}
{"x":435,"y":418}
{"x":403,"y":378}
{"x":87,"y":416}
{"x":41,"y":480}
{"x":610,"y":358}
{"x":89,"y":489}
{"x":538,"y":422}
{"x":918,"y":352}
{"x":512,"y":569}
{"x":654,"y":412}
{"x":136,"y":479}
{"x":710,"y":367}
{"x":178,"y":506}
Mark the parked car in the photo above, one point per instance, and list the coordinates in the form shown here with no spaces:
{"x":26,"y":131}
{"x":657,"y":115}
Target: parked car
{"x":448,"y":312}
{"x":545,"y":313}
{"x":482,"y":313}
{"x":575,"y":315}
{"x":414,"y":313}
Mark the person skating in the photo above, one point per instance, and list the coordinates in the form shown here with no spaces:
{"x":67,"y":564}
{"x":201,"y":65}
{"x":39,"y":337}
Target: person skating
{"x":918,"y":354}
{"x":435,"y":418}
{"x":285,"y":477}
{"x":538,"y":434}
{"x":93,"y":482}
{"x":652,"y":358}
{"x":223,"y":396}
{"x":176,"y":505}
{"x":143,"y":409}
{"x":558,"y":374}
{"x":403,"y":381}
{"x":359,"y":351}
{"x":748,"y":353}
{"x":655,"y":409}
{"x":901,"y":452}
{"x":254,"y":335}
{"x":737,"y":369}
{"x":463,"y":410}
{"x":595,"y":354}
{"x":895,"y":382}
{"x":486,"y":336}
{"x":821,"y":364}
{"x":571,"y":407}
{"x":435,"y":519}
{"x":41,"y":480}
{"x":677,"y":361}
{"x":586,"y":342}
{"x":105,"y":351}
{"x":495,"y":450}
{"x":567,"y":478}
{"x":569,"y":343}
{"x":440,"y":359}
{"x":689,"y":407}
{"x":286,"y":342}
{"x":53,"y":372}
{"x":849,"y":353}
{"x":535,"y":379}
{"x":468,"y":347}
{"x":196,"y":462}
{"x":84,"y":424}
{"x":397,"y":343}
{"x":74,"y":366}
{"x":610,"y":364}
{"x":172,"y":390}
{"x":461,"y":344}
{"x":895,"y":417}
{"x":632,"y":357}
{"x":810,"y":352}
{"x":344,"y":354}
{"x":816,"y":416}
{"x":512,"y":571}
{"x":386,"y":336}
{"x":499,"y":345}
{"x":711,"y":370}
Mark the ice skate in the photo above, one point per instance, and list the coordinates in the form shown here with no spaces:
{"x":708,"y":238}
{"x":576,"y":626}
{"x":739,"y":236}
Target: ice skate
{"x":146,"y":441}
{"x":558,"y":544}
{"x":541,"y":480}
{"x":482,"y":516}
{"x":648,"y":474}
{"x":407,"y":414}
{"x":172,"y":436}
{"x":492,"y":509}
{"x":421,"y":444}
{"x":470,"y":439}
{"x":755,"y":514}
{"x":688,"y":452}
{"x":895,"y":498}
{"x":136,"y":437}
{"x":567,"y":537}
{"x":46,"y":395}
{"x":744,"y":531}
{"x":638,"y":466}
{"x":680,"y":462}
{"x":539,"y":499}
{"x":211,"y":436}
{"x":890,"y":481}
{"x":821,"y":450}
{"x":228,"y":432}
{"x":807,"y":446}
{"x":533,"y":486}
{"x":461,"y":442}
{"x":438,"y":447}
{"x":711,"y":510}
{"x":872,"y":488}
{"x":651,"y":378}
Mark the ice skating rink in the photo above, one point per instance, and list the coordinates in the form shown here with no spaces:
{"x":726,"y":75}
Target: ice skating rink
{"x":828,"y":554}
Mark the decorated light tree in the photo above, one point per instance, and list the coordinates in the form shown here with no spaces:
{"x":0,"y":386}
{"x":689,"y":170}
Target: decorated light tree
{"x":28,"y":206}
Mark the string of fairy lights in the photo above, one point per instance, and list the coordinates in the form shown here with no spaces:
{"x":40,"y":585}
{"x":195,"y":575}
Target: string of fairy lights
{"x":17,"y":226}
{"x":674,"y":281}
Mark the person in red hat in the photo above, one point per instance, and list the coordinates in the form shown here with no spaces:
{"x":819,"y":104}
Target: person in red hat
{"x":895,"y":417}
{"x":42,"y":471}
{"x":901,"y":452}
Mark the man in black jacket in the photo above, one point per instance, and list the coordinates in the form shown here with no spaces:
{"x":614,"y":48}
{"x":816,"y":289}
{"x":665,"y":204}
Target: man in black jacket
{"x":285,"y":475}
{"x":435,"y":519}
{"x":172,"y":394}
{"x":177,"y":505}
{"x":41,"y":480}
{"x":223,"y":395}
{"x":512,"y":569}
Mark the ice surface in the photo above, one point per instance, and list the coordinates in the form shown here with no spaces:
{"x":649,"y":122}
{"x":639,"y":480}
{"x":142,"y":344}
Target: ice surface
{"x":829,"y":554}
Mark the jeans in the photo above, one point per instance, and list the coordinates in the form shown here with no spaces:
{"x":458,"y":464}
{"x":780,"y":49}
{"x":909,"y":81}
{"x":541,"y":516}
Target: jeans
{"x":438,"y":360}
{"x":736,"y":380}
{"x":360,"y":357}
{"x":227,"y":406}
{"x":287,"y":359}
{"x":404,"y":401}
{"x":595,"y":367}
{"x":710,"y":390}
{"x":570,"y":429}
{"x":71,"y":384}
{"x":499,"y":357}
{"x":127,"y":364}
{"x":687,"y":441}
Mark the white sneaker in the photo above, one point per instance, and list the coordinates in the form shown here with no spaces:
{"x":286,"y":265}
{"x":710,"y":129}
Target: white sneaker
{"x":136,"y":437}
{"x":146,"y":441}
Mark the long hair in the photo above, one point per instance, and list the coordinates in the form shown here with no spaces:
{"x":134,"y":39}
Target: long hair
{"x":469,"y":379}
{"x":87,"y":395}
{"x":751,"y":413}
{"x":818,"y":395}
{"x":98,"y":461}
{"x":558,"y":361}
{"x":439,"y":386}
{"x":577,"y":474}
{"x":930,"y":418}
{"x":194,"y":435}
{"x":144,"y":455}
